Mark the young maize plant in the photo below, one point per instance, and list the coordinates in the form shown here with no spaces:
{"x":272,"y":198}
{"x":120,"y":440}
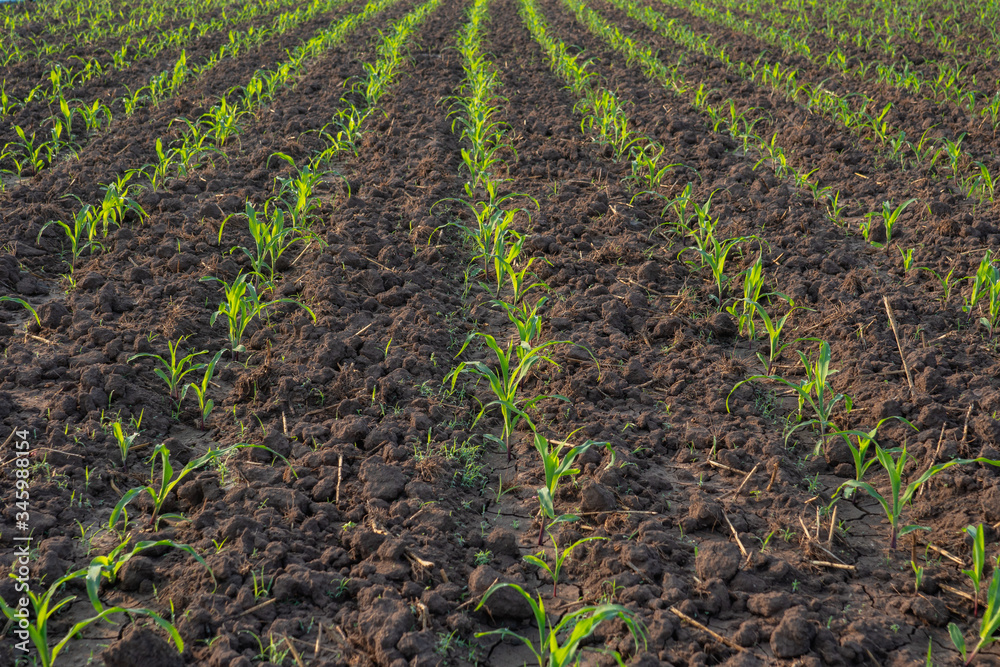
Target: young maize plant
{"x":556,"y":467}
{"x":348,"y":121}
{"x":559,"y":557}
{"x":741,"y":309}
{"x":24,"y":304}
{"x":574,"y":627}
{"x":899,"y":496}
{"x":80,"y":234}
{"x":106,"y":568}
{"x":988,"y":626}
{"x":814,"y":390}
{"x":985,"y":284}
{"x":271,"y":238}
{"x":475,"y":106}
{"x":496,"y":243}
{"x":859,"y":452}
{"x":714,"y":254}
{"x":44,"y":608}
{"x":175,"y":368}
{"x":240,"y":306}
{"x":298,"y":192}
{"x":205,"y":404}
{"x":158,"y":490}
{"x":513,"y":366}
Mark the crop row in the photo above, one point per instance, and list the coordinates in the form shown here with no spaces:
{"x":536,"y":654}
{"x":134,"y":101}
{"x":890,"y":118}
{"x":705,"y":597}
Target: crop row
{"x":946,"y":82}
{"x":29,"y":155}
{"x":885,"y":26}
{"x":60,"y":79}
{"x":818,"y":402}
{"x":495,"y":240}
{"x":101,"y":23}
{"x":283,"y":223}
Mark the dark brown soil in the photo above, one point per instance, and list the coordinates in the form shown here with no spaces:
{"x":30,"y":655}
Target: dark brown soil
{"x":387,"y":514}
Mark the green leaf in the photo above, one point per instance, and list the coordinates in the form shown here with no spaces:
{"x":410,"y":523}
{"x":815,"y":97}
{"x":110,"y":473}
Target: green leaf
{"x":957,"y":639}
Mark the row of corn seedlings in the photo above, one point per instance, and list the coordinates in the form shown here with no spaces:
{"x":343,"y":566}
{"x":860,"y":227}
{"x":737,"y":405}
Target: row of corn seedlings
{"x":202,"y":139}
{"x":746,"y":130}
{"x":871,"y":28}
{"x":814,"y":391}
{"x":477,"y":108}
{"x":945,"y":85}
{"x":60,"y":78}
{"x":85,"y":28}
{"x":974,"y":178}
{"x":29,"y":155}
{"x":241,"y":304}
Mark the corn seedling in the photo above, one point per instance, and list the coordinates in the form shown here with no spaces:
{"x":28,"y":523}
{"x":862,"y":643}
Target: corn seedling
{"x":117,"y":204}
{"x":176,"y":368}
{"x":814,"y":390}
{"x":985,"y":183}
{"x":988,"y":626}
{"x":835,"y":210}
{"x":124,"y":441}
{"x":899,"y":497}
{"x":859,"y":452}
{"x":298,"y":191}
{"x":158,"y":172}
{"x":272,"y":237}
{"x":527,"y":321}
{"x":575,"y":627}
{"x":344,"y":137}
{"x":890,"y":216}
{"x":240,"y":306}
{"x":261,"y":585}
{"x":29,"y":156}
{"x":106,"y":568}
{"x":24,"y":304}
{"x":556,"y":468}
{"x":742,"y":310}
{"x":493,"y":233}
{"x":646,"y":173}
{"x":714,"y":254}
{"x":774,"y":327}
{"x":95,"y":116}
{"x":559,"y":557}
{"x":608,"y":121}
{"x":975,"y":573}
{"x":513,"y":365}
{"x":680,"y":205}
{"x":158,"y":490}
{"x":953,"y":151}
{"x":907,"y":257}
{"x":222,"y":121}
{"x":205,"y":404}
{"x":80,"y":234}
{"x":44,"y":609}
{"x":945,"y":281}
